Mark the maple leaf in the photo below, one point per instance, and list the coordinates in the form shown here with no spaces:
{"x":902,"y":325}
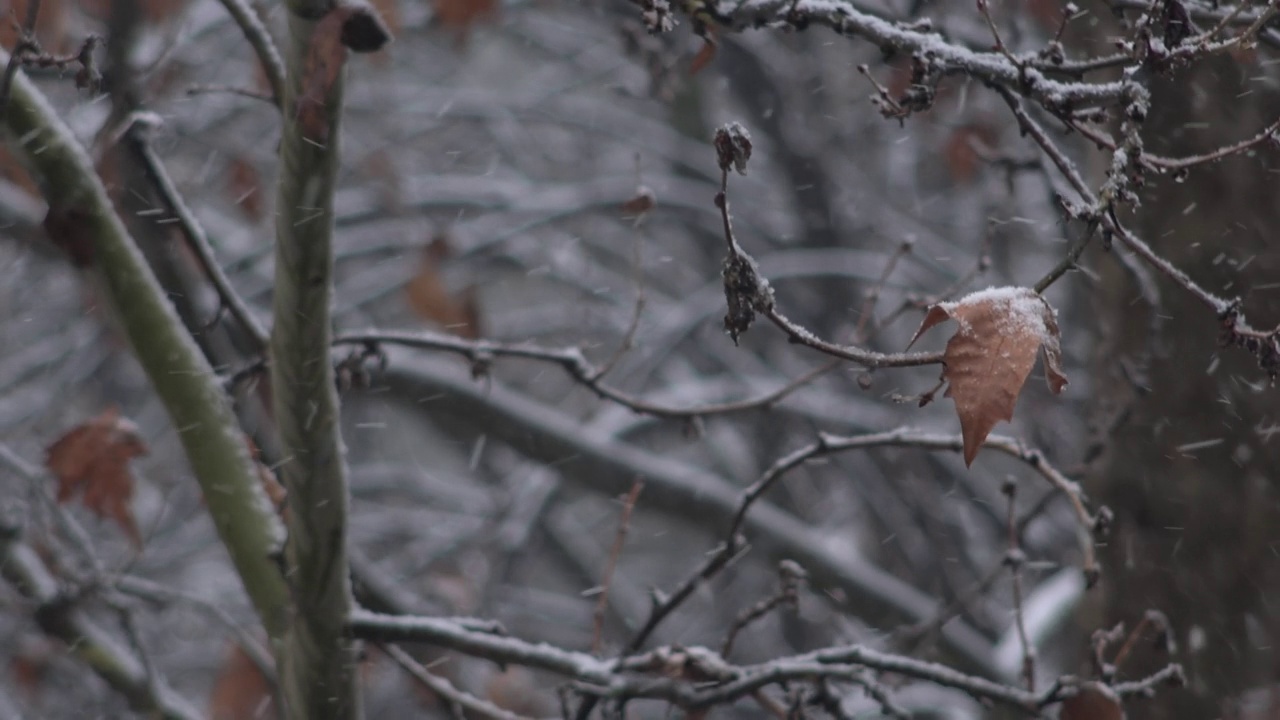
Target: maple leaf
{"x":987,"y":361}
{"x":93,"y":459}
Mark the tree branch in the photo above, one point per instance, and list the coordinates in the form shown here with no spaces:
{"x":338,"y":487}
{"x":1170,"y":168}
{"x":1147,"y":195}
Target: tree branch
{"x":317,"y":660}
{"x":696,"y":677}
{"x":59,"y":617}
{"x":480,"y":353}
{"x":82,"y":215}
{"x":603,"y":465}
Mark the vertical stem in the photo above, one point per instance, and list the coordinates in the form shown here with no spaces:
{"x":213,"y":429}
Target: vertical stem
{"x":317,"y":660}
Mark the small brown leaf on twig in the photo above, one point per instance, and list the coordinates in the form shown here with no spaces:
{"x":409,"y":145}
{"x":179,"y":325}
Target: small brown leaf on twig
{"x":988,"y":359}
{"x":93,"y":459}
{"x":642,"y":202}
{"x":1094,"y":701}
{"x":705,"y":55}
{"x":271,"y":486}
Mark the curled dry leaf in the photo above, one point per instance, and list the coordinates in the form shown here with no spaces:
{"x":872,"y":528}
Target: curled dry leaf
{"x":642,"y":202}
{"x":988,"y":359}
{"x":706,"y":53}
{"x":93,"y":459}
{"x":271,"y":486}
{"x":1094,"y":701}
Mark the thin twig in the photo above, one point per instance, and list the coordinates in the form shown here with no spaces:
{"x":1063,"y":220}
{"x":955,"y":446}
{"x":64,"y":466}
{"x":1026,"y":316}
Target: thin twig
{"x":762,"y":300}
{"x":680,"y":675}
{"x":231,"y":89}
{"x":574,"y":363}
{"x":790,"y":575}
{"x":827,"y":444}
{"x":197,"y":240}
{"x":628,"y":338}
{"x":1015,"y":558}
{"x":985,"y":10}
{"x":263,"y":46}
{"x":602,"y":602}
{"x":445,"y":689}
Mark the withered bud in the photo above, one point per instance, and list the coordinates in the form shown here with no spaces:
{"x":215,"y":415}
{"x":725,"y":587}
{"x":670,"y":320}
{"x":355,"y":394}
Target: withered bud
{"x":733,"y":147}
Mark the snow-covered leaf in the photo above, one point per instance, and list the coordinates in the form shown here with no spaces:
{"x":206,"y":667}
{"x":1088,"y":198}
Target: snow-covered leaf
{"x":991,"y":354}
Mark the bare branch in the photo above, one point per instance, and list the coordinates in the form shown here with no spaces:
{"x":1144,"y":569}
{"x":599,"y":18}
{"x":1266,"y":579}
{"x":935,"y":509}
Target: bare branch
{"x":444,"y":688}
{"x":481,"y":352}
{"x":197,"y":240}
{"x":181,"y":376}
{"x":265,"y":48}
{"x":628,"y":505}
{"x":59,"y":617}
{"x":601,"y":464}
{"x":695,"y":677}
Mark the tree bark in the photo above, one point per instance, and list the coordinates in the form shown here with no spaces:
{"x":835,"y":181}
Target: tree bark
{"x":317,"y":661}
{"x":1191,"y":474}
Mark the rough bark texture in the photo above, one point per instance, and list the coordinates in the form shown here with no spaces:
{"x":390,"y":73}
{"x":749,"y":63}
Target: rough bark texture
{"x":1195,"y":528}
{"x":317,"y":661}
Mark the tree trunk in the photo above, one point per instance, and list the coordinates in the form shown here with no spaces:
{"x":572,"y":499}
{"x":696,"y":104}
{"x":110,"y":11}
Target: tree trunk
{"x":1191,"y":473}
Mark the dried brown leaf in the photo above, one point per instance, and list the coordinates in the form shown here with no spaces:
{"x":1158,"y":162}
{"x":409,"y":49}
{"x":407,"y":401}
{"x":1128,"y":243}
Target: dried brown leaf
{"x":516,"y":690}
{"x":960,"y":154}
{"x":349,"y":25}
{"x":93,"y":459}
{"x":461,"y":16}
{"x":705,"y":55}
{"x":1094,"y":702}
{"x":431,"y":299}
{"x":274,"y":490}
{"x":32,"y":657}
{"x":153,"y":12}
{"x":50,"y":29}
{"x":989,"y":357}
{"x":241,"y":691}
{"x":12,"y":170}
{"x":321,"y":69}
{"x":244,"y":182}
{"x":389,"y":11}
{"x":642,"y":202}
